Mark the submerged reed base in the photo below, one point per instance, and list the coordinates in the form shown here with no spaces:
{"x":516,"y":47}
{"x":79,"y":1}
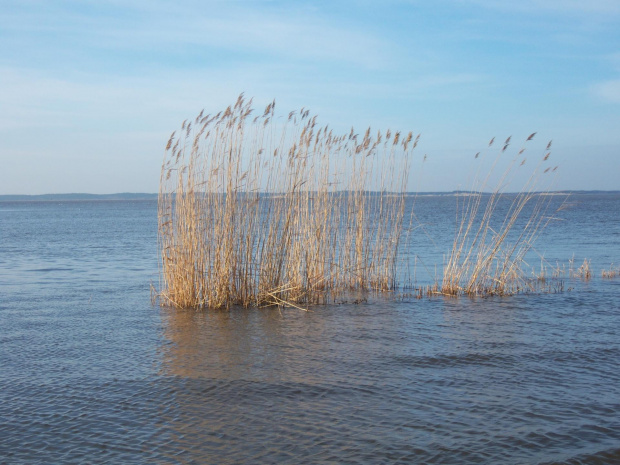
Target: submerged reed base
{"x":255,"y":210}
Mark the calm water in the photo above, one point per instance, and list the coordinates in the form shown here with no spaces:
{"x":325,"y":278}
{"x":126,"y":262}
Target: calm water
{"x":90,"y":372}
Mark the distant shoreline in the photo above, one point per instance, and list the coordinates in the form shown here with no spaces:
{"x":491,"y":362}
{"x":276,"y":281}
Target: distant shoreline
{"x":148,"y":196}
{"x":76,"y":197}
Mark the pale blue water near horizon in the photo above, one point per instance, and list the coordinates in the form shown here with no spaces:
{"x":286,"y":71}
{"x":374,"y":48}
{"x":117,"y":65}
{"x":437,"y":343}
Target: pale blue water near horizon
{"x":91,"y":372}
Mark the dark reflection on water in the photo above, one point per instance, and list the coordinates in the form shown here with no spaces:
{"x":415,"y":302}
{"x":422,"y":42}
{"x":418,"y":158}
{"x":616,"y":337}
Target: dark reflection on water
{"x":91,"y":373}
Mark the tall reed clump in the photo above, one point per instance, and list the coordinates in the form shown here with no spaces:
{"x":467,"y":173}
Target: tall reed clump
{"x":494,"y":230}
{"x":256,"y":210}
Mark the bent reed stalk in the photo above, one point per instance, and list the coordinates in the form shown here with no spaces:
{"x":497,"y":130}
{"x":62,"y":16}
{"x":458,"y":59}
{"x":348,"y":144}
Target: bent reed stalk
{"x":256,"y":210}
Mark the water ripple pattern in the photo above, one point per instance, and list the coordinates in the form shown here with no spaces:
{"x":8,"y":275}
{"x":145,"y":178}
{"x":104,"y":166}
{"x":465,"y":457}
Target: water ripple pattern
{"x":90,"y":372}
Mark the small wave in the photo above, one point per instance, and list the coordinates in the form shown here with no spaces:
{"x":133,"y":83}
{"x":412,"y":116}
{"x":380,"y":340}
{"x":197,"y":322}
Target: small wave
{"x":452,"y":360}
{"x":604,"y":457}
{"x":47,"y":270}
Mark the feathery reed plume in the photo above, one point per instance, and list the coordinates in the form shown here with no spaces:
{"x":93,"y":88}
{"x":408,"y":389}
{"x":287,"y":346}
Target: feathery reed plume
{"x":257,"y":211}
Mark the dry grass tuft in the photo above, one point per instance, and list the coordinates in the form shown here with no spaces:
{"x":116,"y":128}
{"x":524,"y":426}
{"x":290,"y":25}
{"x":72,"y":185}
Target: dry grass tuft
{"x":583,"y":272}
{"x":611,"y":272}
{"x":255,"y":210}
{"x":495,"y":232}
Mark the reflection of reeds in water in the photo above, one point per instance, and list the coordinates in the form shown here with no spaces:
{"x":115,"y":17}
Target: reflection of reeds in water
{"x":491,"y":241}
{"x":256,"y":211}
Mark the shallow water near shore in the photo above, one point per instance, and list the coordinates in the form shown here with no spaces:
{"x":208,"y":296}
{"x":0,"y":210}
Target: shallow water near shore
{"x":91,"y":372}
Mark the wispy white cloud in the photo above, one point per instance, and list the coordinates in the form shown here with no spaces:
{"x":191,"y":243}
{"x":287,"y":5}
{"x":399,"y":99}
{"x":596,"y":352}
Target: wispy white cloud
{"x":614,"y":60}
{"x":423,"y":86}
{"x":32,"y":98}
{"x":233,"y":27}
{"x":597,"y":7}
{"x":608,"y":91}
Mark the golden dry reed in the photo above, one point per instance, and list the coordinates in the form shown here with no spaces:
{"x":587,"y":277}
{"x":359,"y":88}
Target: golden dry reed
{"x":494,"y":231}
{"x":611,"y":272}
{"x":258,"y":210}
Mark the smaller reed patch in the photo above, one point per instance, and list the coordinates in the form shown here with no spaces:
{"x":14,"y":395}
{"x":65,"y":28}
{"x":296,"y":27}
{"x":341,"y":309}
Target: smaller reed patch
{"x":611,"y":272}
{"x":584,"y":272}
{"x":494,"y":231}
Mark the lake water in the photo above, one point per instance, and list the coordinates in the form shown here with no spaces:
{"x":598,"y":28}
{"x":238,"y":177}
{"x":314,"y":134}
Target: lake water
{"x":91,"y":372}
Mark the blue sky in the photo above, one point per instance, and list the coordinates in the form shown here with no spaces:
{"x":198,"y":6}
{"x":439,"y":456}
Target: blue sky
{"x":91,"y":90}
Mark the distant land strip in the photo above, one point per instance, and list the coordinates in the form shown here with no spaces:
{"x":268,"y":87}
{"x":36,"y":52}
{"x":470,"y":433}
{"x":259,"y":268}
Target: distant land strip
{"x":147,"y":196}
{"x":77,"y":197}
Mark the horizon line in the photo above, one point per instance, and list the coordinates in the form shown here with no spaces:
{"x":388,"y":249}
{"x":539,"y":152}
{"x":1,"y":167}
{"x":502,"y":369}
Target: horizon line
{"x":452,"y":192}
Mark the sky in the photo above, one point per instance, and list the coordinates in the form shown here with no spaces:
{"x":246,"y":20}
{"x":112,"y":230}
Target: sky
{"x":91,"y":90}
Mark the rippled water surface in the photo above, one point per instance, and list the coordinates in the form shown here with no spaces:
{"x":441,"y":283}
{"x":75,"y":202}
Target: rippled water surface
{"x":91,"y":372}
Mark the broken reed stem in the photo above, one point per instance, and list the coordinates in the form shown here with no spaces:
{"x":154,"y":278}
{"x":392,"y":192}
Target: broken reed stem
{"x":254,"y":211}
